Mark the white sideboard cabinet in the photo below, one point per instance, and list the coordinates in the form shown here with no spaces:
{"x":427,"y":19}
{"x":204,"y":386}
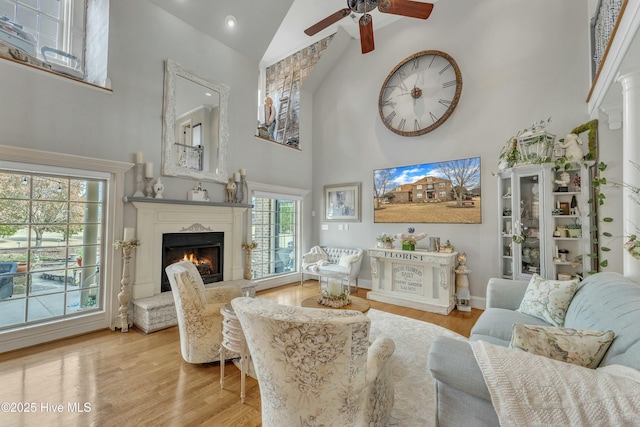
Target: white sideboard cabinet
{"x":417,"y":279}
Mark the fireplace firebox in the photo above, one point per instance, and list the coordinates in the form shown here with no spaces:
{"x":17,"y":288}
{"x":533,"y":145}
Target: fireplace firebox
{"x":204,"y":250}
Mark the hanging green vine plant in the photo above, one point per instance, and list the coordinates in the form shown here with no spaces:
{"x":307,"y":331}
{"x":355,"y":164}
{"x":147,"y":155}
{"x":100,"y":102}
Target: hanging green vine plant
{"x":598,"y":182}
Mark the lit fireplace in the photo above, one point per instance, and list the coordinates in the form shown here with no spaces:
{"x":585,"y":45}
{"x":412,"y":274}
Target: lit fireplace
{"x":204,"y":250}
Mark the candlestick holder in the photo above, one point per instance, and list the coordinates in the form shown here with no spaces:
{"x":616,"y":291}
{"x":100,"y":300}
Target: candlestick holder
{"x":148,"y":189}
{"x":124,"y":296}
{"x":139,"y":175}
{"x":240,"y":189}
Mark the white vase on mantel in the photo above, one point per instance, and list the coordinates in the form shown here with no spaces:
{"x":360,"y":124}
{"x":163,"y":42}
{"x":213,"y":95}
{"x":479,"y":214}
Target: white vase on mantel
{"x":158,"y":189}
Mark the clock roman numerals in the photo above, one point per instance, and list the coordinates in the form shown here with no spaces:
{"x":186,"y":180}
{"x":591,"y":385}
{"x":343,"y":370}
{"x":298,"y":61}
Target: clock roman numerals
{"x":449,"y":84}
{"x":415,"y":65}
{"x":445,"y":69}
{"x":401,"y":124}
{"x":444,"y":102}
{"x":416,"y":125}
{"x":433,"y":117}
{"x":389,"y":117}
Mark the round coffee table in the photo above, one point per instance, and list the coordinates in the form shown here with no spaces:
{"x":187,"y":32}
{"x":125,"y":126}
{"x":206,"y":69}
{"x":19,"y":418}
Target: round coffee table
{"x":357,"y":303}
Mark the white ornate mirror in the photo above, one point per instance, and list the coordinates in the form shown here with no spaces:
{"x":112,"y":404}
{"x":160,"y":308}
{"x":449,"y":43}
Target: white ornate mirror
{"x":195,"y":130}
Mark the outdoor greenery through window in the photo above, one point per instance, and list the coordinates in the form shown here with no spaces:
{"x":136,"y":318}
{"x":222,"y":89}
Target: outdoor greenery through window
{"x":274,"y":228}
{"x":50,"y":246}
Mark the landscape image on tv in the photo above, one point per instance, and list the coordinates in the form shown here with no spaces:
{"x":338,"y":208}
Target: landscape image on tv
{"x":442,"y":192}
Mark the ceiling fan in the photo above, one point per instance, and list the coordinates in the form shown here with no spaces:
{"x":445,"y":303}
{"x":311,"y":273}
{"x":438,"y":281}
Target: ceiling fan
{"x":409,"y":8}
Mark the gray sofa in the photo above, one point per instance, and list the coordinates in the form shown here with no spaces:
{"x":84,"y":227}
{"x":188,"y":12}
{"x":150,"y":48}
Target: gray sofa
{"x":604,"y":301}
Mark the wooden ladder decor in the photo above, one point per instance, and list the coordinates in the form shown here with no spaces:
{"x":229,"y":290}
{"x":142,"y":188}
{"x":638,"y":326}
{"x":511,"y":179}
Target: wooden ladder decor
{"x":285,"y":91}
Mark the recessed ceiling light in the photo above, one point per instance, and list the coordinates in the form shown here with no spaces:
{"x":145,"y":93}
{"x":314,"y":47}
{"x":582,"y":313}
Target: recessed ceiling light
{"x":230,"y":21}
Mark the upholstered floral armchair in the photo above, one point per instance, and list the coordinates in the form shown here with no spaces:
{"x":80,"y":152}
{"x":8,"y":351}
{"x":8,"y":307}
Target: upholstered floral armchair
{"x":198,"y":309}
{"x":315,"y":366}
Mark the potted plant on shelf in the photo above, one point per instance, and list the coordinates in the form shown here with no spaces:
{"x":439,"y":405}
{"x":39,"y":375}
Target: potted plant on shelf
{"x":575,"y":229}
{"x":509,"y":155}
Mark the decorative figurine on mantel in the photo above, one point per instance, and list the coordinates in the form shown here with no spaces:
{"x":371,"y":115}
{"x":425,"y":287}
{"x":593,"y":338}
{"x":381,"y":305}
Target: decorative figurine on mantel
{"x":231,"y":190}
{"x":198,"y":194}
{"x":463,"y":295}
{"x":158,"y":188}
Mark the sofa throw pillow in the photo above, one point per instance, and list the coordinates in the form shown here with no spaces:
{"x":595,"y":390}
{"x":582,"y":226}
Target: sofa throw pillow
{"x":548,"y":299}
{"x":346,"y":260}
{"x":577,"y":346}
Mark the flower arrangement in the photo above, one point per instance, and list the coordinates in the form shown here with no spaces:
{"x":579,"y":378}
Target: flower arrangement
{"x":249,"y":247}
{"x":334,"y":301}
{"x":385,"y":238}
{"x":126,"y":244}
{"x":576,"y":180}
{"x":633,"y":246}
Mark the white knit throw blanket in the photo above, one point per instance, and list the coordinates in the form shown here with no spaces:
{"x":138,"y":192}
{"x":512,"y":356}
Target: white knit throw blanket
{"x":531,"y":390}
{"x":314,"y":259}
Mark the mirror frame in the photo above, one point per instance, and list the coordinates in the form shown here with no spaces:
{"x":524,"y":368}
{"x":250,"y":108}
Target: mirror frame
{"x":169,"y":166}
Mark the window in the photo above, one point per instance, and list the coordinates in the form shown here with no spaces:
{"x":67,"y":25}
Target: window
{"x":56,"y":24}
{"x":419,"y":186}
{"x":51,"y":244}
{"x":275,"y":228}
{"x":76,"y":32}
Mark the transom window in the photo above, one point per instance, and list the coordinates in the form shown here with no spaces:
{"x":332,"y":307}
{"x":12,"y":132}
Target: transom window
{"x":51,"y":230}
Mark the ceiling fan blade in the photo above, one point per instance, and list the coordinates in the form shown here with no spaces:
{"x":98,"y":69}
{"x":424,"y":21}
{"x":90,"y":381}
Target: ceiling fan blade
{"x":329,"y":20}
{"x":409,"y":8}
{"x":366,"y":33}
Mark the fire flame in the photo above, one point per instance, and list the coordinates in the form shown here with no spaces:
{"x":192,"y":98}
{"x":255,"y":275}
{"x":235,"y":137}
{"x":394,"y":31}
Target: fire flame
{"x":195,"y":260}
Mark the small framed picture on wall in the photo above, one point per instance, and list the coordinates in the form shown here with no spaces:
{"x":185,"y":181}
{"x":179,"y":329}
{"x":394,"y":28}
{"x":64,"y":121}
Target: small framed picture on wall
{"x":342,"y":202}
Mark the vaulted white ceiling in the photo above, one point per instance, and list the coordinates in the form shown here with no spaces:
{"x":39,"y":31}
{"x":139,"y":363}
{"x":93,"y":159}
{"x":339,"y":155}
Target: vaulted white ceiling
{"x":268,"y":30}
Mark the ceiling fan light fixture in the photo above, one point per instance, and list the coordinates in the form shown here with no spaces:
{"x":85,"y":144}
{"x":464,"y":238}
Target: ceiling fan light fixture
{"x":230,"y":21}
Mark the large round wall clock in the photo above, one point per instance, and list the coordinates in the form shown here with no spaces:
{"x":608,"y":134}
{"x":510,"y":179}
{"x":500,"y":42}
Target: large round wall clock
{"x":420,"y":93}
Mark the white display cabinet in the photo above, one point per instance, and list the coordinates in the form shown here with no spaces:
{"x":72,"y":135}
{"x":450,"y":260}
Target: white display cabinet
{"x":544,"y":225}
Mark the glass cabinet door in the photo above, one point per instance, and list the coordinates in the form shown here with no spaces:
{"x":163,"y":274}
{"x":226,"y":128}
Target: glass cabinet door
{"x":530,"y":249}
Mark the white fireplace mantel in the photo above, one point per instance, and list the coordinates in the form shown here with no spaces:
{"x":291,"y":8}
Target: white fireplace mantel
{"x":157,"y":218}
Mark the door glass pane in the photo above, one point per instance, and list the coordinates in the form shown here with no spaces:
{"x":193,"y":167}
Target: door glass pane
{"x":50,"y":246}
{"x":530,"y":219}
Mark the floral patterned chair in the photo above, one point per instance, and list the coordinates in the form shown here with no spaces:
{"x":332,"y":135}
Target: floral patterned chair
{"x":315,"y":366}
{"x":198,"y":309}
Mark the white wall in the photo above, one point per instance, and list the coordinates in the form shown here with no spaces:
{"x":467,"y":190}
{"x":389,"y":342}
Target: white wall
{"x":45,"y":113}
{"x":521,"y":62}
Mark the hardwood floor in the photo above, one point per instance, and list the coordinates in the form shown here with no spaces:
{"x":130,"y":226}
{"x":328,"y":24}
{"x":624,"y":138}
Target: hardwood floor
{"x":131,"y":379}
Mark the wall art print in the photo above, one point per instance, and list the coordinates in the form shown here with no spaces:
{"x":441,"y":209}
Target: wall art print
{"x":342,"y":202}
{"x":442,"y":192}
